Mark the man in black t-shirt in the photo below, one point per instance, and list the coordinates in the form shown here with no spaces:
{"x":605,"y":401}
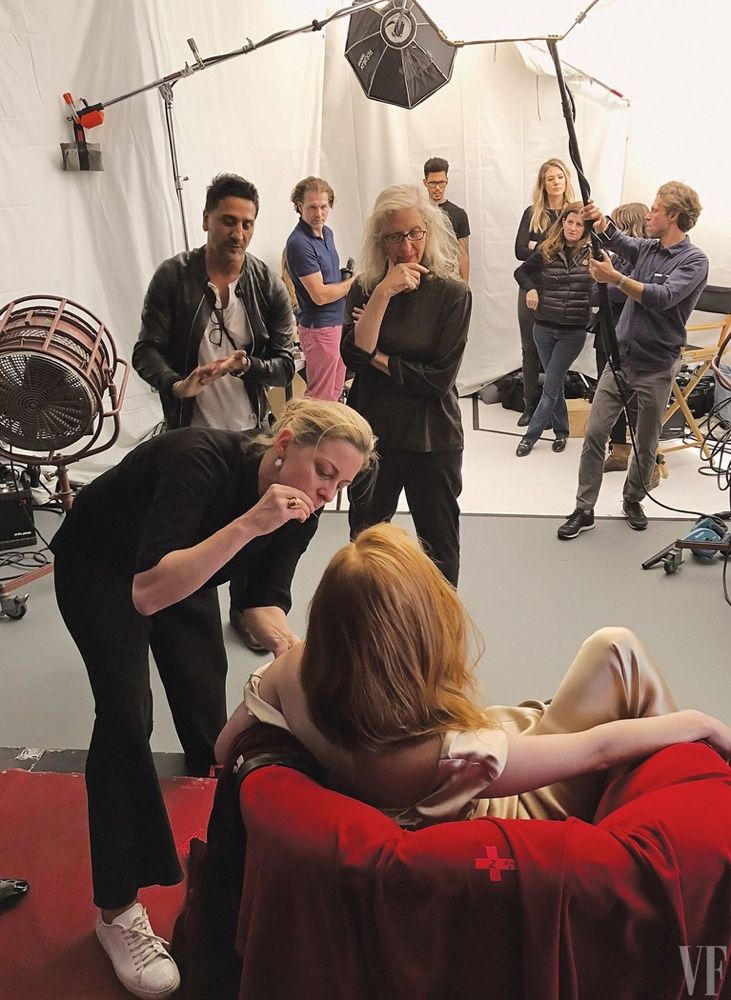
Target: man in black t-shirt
{"x":436,"y":180}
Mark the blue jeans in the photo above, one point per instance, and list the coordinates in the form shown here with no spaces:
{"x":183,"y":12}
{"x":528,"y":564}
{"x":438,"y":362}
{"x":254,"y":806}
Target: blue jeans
{"x":558,"y":348}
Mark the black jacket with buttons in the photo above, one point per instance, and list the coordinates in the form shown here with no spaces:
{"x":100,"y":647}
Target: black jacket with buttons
{"x":563,"y":284}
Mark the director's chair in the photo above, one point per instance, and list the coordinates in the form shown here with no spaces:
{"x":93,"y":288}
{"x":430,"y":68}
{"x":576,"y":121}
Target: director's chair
{"x":714,"y":299}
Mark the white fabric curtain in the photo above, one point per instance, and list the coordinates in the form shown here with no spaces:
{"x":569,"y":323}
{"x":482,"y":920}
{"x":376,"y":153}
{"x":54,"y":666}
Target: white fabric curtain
{"x":495,"y":122}
{"x":274,"y":115}
{"x":98,"y":237}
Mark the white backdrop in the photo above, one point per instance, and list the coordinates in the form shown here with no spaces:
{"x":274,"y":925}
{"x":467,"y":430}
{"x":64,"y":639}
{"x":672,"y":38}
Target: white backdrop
{"x":294,"y":108}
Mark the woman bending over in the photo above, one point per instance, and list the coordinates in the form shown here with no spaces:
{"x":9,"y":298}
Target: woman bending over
{"x":381,"y":692}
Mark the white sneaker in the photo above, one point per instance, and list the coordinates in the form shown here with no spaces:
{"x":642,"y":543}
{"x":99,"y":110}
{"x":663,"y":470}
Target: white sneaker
{"x":138,"y":955}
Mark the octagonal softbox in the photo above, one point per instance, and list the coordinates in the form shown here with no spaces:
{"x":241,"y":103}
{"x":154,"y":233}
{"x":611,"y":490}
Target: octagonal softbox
{"x":398,"y":53}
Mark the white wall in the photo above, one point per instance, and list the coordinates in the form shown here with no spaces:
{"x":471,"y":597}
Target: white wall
{"x":98,"y":237}
{"x":671,"y":57}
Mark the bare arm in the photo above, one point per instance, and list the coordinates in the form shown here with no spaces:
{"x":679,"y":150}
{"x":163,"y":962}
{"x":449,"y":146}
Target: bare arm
{"x":181,"y":572}
{"x":322,"y":293}
{"x":240,"y":720}
{"x":535,"y":761}
{"x":464,"y":258}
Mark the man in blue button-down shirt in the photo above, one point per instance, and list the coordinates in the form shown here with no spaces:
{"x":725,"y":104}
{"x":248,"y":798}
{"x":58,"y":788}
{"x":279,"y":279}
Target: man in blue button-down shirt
{"x":665,"y":283}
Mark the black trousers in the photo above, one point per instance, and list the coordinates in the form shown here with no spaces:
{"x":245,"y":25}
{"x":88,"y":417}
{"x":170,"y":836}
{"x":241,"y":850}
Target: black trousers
{"x":531,"y":363}
{"x":131,"y":840}
{"x":432,"y":481}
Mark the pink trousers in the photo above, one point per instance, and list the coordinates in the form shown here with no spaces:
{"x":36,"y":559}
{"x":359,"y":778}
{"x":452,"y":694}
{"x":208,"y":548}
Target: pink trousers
{"x":325,"y":367}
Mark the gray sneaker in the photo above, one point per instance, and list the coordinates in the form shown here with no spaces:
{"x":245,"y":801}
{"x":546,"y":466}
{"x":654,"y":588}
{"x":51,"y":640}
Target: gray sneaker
{"x":580,"y":520}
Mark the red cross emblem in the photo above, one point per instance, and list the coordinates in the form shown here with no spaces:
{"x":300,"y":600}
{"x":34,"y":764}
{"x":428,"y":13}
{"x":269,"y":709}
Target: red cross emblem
{"x":494,"y":864}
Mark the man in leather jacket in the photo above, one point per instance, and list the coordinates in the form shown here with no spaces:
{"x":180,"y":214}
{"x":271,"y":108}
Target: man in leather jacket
{"x":217,"y":311}
{"x":216,"y":331}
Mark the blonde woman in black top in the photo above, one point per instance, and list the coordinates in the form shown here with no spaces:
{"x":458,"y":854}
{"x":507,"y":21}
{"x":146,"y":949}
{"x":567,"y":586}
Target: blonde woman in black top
{"x":552,"y":192}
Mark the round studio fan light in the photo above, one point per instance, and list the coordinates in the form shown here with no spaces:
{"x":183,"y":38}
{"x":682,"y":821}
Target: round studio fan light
{"x":57,"y":360}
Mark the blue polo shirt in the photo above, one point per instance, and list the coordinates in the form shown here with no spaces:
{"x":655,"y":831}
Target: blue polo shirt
{"x":308,"y":254}
{"x":652,"y":332}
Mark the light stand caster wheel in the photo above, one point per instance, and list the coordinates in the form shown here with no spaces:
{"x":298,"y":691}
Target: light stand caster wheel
{"x":671,"y":563}
{"x":14,"y":607}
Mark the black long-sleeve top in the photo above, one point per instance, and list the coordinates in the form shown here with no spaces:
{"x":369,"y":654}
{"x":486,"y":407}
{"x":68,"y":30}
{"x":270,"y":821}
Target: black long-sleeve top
{"x":424,"y":332}
{"x":526,"y":234}
{"x":170,"y":493}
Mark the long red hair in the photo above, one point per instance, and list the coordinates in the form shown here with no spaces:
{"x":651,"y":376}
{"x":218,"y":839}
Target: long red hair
{"x":387,"y":653}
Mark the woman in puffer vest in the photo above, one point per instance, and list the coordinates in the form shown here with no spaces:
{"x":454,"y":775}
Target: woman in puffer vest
{"x":558,"y":286}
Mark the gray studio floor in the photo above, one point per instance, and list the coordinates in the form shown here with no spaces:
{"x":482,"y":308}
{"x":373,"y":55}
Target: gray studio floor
{"x":533,"y":598}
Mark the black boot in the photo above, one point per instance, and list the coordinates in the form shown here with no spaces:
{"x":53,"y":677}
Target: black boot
{"x":525,"y":418}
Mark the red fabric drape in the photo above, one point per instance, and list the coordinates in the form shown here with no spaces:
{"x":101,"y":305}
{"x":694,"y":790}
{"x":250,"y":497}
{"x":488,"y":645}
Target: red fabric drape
{"x":338,"y":902}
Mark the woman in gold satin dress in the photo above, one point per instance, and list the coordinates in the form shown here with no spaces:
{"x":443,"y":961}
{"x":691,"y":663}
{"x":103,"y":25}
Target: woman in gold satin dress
{"x":381,"y":692}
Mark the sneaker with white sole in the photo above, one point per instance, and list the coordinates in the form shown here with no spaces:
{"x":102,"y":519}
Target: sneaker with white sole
{"x":580,"y":520}
{"x":138,"y":955}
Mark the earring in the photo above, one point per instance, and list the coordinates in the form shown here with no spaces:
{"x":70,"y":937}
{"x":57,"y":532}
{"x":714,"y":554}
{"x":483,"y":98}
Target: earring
{"x":277,"y":463}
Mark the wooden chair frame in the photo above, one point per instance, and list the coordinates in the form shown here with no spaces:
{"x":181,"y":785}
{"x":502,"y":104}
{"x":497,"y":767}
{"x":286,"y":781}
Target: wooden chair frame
{"x":703,"y":357}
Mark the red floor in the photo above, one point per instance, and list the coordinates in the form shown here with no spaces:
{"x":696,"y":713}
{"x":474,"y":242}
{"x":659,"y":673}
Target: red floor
{"x":48,"y":950}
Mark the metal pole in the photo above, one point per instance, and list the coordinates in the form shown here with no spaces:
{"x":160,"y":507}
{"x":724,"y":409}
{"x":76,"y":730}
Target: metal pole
{"x":166,"y":92}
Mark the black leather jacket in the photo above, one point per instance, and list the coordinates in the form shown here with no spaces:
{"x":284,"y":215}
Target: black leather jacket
{"x":175,"y":314}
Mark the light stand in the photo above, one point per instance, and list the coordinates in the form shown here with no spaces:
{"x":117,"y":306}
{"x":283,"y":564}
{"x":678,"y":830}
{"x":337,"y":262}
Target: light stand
{"x":91,"y":115}
{"x":166,"y":92}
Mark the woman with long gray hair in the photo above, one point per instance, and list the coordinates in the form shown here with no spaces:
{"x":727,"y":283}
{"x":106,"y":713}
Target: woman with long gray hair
{"x":404,"y":334}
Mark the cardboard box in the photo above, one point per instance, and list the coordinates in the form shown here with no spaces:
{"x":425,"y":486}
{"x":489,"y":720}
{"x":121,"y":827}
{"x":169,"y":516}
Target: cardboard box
{"x":578,"y":416}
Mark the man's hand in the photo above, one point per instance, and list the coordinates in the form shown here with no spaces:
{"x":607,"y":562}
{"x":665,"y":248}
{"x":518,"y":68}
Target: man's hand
{"x":196,"y":382}
{"x":237,"y":361}
{"x":531,"y":298}
{"x":203,"y":375}
{"x":590,"y":213}
{"x":603,"y":271}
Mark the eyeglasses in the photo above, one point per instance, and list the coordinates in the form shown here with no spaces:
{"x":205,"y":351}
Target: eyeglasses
{"x":415,"y":235}
{"x":219,"y":331}
{"x":436,"y":184}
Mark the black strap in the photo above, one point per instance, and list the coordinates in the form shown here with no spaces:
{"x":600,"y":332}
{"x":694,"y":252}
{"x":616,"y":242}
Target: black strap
{"x":244,"y":766}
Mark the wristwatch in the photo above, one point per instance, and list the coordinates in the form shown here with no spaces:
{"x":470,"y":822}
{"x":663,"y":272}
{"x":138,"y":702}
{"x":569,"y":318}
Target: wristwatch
{"x":610,"y":230}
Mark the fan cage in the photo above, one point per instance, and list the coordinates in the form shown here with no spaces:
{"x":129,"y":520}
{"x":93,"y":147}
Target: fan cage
{"x":57,"y":360}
